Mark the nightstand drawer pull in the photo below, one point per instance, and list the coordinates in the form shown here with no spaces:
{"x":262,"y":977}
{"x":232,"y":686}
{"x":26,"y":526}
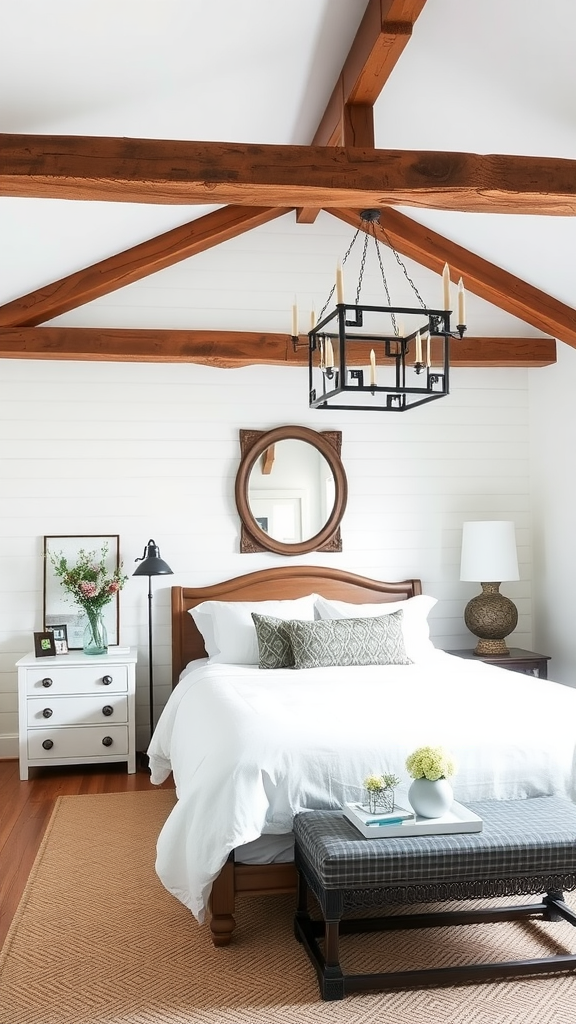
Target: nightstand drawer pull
{"x":47,"y":712}
{"x":107,"y":680}
{"x":107,"y":710}
{"x":47,"y":682}
{"x":48,"y":744}
{"x":107,"y":741}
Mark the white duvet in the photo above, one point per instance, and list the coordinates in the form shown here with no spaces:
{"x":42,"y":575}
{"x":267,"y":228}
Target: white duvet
{"x":250,"y":748}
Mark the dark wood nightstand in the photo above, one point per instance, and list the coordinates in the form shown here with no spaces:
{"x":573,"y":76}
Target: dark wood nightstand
{"x":528,"y":662}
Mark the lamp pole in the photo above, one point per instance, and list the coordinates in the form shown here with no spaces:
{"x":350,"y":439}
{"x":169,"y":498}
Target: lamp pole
{"x":151,"y":564}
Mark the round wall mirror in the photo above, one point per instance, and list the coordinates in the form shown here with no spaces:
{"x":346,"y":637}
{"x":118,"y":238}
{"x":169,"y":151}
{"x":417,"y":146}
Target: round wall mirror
{"x":291,"y":490}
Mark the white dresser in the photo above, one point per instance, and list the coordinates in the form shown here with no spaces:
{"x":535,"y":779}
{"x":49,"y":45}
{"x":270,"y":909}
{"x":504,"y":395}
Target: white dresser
{"x":77,"y":709}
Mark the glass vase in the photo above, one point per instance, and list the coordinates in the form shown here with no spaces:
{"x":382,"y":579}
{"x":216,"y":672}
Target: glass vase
{"x":380,"y":801}
{"x":95,"y":639}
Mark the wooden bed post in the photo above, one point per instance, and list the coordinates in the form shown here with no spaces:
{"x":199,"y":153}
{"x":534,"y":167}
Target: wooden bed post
{"x":221,"y":906}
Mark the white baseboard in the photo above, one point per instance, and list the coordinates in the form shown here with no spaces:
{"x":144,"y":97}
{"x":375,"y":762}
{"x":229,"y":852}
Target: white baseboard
{"x":8,"y":746}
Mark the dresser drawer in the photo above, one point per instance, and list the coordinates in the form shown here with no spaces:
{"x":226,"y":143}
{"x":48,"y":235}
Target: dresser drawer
{"x":77,"y":679}
{"x":52,"y":710}
{"x":83,"y":742}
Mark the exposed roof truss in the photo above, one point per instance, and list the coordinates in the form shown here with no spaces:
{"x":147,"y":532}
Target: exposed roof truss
{"x":341,"y":172}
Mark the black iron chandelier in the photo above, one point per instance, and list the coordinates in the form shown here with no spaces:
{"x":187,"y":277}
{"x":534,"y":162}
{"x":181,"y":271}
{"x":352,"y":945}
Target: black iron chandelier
{"x":383,"y":358}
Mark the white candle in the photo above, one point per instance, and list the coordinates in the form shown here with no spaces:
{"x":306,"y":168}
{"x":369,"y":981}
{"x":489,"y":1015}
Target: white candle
{"x":461,"y":302}
{"x":312,"y":318}
{"x":329,"y":354}
{"x":428,"y":363}
{"x":294,"y":321}
{"x":372,"y":366}
{"x":321,"y":348}
{"x":418,"y":358}
{"x":339,"y":284}
{"x":400,"y":328}
{"x":446,"y":285}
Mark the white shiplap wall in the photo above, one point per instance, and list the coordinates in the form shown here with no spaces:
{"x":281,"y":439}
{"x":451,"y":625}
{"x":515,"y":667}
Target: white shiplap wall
{"x":151,"y":450}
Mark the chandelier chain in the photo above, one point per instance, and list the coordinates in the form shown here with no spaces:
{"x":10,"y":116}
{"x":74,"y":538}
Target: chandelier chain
{"x":401,"y":264}
{"x":362,"y":266}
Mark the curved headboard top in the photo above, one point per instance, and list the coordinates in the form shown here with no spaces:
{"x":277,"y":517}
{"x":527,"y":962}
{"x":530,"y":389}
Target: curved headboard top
{"x":281,"y":583}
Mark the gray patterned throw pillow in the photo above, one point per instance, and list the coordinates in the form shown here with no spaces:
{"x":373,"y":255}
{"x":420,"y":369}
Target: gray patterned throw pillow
{"x":274,"y":647}
{"x":372,"y":641}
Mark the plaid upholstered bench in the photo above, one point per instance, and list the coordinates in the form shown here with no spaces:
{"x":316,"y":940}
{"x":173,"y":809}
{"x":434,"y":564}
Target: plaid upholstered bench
{"x":526,"y":847}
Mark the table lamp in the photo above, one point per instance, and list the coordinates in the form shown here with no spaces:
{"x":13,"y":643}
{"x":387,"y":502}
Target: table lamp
{"x":489,"y":555}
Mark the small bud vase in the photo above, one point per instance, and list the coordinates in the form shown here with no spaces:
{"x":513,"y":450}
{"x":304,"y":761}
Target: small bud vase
{"x":380,"y":800}
{"x":95,"y":639}
{"x":430,"y":799}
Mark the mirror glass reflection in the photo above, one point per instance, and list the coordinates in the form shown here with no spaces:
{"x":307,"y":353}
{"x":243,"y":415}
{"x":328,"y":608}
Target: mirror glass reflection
{"x":291,"y":491}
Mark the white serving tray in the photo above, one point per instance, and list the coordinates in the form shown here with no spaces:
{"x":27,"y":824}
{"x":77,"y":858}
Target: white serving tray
{"x":458,"y":819}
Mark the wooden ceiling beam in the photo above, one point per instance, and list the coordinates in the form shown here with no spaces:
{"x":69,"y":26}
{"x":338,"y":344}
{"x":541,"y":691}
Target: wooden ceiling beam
{"x":232,"y":348}
{"x":161,"y":172}
{"x":348,"y":120}
{"x":384,"y":31}
{"x":490,"y":282}
{"x":134,"y":264}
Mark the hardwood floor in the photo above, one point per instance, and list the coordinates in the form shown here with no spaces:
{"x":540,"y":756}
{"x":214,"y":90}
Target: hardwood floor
{"x":26,"y":808}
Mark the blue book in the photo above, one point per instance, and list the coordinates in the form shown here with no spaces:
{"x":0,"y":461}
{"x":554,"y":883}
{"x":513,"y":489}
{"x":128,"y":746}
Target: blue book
{"x":387,"y":821}
{"x":369,"y":821}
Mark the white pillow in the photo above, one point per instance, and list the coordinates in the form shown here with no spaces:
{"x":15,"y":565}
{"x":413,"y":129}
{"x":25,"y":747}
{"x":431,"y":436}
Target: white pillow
{"x":414,"y":621}
{"x":228,"y":629}
{"x":203,"y":618}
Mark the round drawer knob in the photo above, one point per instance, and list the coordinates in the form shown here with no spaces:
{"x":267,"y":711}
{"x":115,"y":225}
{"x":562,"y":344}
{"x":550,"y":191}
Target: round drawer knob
{"x":48,"y":744}
{"x":107,"y":680}
{"x":107,"y":741}
{"x":47,"y":682}
{"x":47,"y":712}
{"x":107,"y":710}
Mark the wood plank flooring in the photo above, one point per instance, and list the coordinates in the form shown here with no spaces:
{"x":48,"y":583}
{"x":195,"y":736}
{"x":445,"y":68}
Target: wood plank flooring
{"x":25,"y":809}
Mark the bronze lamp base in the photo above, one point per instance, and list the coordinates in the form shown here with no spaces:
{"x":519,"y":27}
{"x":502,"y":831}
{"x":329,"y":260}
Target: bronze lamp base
{"x":491,"y":617}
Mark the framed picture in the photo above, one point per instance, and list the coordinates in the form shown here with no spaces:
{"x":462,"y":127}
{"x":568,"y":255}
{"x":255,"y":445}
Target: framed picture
{"x":59,"y":608}
{"x":44,"y":646}
{"x":60,"y":634}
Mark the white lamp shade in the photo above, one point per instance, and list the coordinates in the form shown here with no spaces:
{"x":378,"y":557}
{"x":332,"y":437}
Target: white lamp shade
{"x":489,"y":552}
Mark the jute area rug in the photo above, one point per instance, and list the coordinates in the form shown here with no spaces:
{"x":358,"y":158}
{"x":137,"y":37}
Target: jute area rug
{"x":97,"y":940}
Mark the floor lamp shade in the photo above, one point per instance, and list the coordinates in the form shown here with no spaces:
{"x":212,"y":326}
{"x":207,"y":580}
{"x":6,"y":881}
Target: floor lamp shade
{"x":489,"y":557}
{"x":151,"y":564}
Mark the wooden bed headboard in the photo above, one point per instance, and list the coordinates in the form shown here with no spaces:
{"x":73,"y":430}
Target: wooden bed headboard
{"x":282,"y":583}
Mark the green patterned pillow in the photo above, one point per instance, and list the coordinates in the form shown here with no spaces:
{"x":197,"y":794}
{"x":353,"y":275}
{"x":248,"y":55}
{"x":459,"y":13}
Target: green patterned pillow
{"x":274,"y":647}
{"x":372,"y":641}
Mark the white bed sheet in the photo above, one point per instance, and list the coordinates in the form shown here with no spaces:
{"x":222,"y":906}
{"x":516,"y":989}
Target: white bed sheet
{"x":250,"y":748}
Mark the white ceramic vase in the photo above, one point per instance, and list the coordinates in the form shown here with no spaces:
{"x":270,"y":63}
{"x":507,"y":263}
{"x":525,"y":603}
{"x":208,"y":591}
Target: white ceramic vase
{"x":430,"y":799}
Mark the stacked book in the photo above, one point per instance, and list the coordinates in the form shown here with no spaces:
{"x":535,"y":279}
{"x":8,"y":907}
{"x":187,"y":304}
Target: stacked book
{"x":402,"y":822}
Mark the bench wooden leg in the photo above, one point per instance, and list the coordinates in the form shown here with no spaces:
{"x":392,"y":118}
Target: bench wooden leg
{"x":332,"y":982}
{"x":553,"y":913}
{"x":307,"y":931}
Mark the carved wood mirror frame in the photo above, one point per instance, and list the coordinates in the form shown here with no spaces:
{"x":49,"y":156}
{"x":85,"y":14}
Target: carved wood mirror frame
{"x":256,"y":443}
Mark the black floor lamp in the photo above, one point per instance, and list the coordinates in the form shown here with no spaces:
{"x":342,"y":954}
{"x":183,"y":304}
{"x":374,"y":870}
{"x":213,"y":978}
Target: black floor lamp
{"x":151,"y":565}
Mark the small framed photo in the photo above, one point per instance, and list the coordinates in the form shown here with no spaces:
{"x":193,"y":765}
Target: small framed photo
{"x":60,"y":634}
{"x":44,"y":646}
